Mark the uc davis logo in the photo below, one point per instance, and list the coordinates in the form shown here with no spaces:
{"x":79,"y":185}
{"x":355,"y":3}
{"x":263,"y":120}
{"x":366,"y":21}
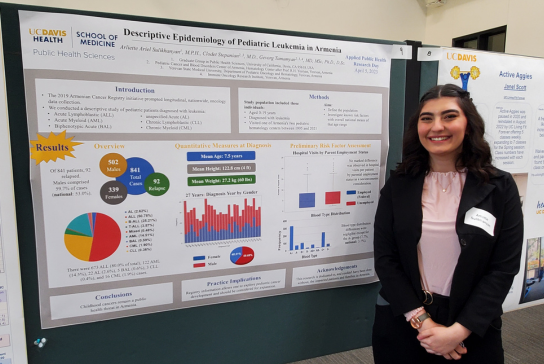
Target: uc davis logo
{"x":48,"y":35}
{"x":456,"y":73}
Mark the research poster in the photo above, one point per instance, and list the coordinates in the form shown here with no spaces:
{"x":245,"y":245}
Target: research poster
{"x":508,"y":92}
{"x":176,"y":166}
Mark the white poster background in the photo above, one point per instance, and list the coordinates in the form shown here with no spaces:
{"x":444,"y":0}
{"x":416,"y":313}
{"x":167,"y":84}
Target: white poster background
{"x":508,"y":92}
{"x":291,"y":130}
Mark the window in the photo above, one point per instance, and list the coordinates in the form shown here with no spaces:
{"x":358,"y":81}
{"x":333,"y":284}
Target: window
{"x":489,"y":40}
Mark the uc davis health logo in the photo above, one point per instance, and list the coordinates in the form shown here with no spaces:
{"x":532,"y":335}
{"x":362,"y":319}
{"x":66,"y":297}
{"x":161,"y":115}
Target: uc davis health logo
{"x":456,"y":73}
{"x":48,"y":35}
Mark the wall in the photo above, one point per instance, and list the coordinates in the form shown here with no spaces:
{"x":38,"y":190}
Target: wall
{"x":385,"y":19}
{"x":525,"y":28}
{"x":462,"y":17}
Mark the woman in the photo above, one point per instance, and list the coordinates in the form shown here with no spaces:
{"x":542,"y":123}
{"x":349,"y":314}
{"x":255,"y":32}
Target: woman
{"x":447,"y":241}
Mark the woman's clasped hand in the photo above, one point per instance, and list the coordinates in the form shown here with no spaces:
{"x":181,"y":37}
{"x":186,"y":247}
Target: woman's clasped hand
{"x":440,"y":340}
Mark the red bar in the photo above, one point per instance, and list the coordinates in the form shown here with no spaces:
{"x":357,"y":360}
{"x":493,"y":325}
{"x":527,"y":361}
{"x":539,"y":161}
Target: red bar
{"x":332,"y":197}
{"x":225,"y":226}
{"x":255,"y":213}
{"x":201,"y":221}
{"x":195,"y":223}
{"x":199,"y":265}
{"x":230,"y":219}
{"x":185,"y":217}
{"x":235,"y":209}
{"x":209,"y":216}
{"x":350,"y":203}
{"x":192,"y":220}
{"x":244,"y":215}
{"x":214,"y":222}
{"x":253,"y":217}
{"x":204,"y":218}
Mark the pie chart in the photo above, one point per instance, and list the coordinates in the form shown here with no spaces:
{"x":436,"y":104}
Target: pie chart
{"x":92,"y":237}
{"x":242,"y":255}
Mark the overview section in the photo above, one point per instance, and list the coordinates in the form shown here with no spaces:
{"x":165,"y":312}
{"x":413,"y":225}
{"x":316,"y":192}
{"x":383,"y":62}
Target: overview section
{"x":177,"y":166}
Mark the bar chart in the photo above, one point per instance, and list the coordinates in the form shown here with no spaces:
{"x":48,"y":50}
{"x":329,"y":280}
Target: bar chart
{"x":223,"y":219}
{"x":318,"y":183}
{"x":306,"y":245}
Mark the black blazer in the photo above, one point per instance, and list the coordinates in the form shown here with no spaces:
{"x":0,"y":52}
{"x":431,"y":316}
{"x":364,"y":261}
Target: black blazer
{"x":486,"y":266}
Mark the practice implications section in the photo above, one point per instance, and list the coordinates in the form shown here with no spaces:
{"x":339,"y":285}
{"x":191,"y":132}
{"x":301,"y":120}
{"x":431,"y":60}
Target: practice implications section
{"x":308,"y":111}
{"x":120,"y":107}
{"x":236,"y":284}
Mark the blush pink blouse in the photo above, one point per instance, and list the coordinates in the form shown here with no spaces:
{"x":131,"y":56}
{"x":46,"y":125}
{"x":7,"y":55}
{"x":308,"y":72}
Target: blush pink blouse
{"x":438,"y":249}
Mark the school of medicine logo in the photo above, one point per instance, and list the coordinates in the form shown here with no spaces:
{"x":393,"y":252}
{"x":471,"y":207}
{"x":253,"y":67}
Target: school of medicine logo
{"x":456,"y":73}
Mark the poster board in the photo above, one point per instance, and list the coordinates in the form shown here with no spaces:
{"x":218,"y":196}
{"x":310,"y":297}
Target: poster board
{"x":183,"y":166}
{"x":507,"y":90}
{"x":12,"y":323}
{"x":349,"y":308}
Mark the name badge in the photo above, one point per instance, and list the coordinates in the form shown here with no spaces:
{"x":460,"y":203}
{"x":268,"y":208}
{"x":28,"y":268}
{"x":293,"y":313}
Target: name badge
{"x":482,"y":219}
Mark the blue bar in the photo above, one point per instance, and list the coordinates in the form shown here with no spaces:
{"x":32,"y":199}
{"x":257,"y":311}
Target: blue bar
{"x":313,"y":246}
{"x":291,"y":238}
{"x":254,"y":225}
{"x":220,"y":156}
{"x":204,"y":235}
{"x":200,"y":257}
{"x":323,"y":239}
{"x":353,"y":192}
{"x":328,"y":244}
{"x":296,"y":247}
{"x":301,"y":245}
{"x":306,"y":200}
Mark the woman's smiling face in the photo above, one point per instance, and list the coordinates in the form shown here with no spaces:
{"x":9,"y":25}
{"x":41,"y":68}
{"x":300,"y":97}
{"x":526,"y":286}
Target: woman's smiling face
{"x":442,"y":127}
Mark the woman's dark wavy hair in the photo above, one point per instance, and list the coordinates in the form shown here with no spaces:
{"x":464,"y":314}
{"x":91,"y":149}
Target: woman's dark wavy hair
{"x":476,"y":154}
